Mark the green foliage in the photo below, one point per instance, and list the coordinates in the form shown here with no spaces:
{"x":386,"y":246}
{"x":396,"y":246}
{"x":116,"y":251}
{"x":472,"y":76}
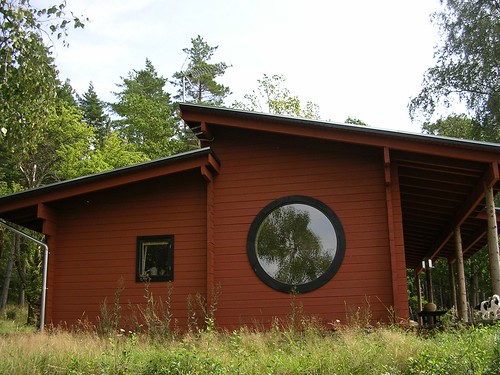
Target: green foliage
{"x":273,"y":97}
{"x":94,"y":114}
{"x":355,"y":121}
{"x":197,"y":82}
{"x":147,"y":117}
{"x":456,"y":126}
{"x":467,"y":63}
{"x":470,"y":351}
{"x":14,"y":321}
{"x":29,"y":88}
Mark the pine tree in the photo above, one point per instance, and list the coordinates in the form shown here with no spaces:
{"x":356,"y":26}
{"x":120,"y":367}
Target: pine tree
{"x":94,"y":114}
{"x":147,"y":115}
{"x":197,"y":82}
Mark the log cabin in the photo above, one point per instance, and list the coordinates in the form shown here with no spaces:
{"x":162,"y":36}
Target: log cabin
{"x":268,"y":210}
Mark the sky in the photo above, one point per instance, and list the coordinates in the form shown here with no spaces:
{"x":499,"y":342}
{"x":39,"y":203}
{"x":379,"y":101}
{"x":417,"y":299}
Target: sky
{"x":359,"y":58}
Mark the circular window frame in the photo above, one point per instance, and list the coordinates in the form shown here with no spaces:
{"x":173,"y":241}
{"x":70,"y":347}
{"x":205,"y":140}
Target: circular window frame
{"x":311,"y":285}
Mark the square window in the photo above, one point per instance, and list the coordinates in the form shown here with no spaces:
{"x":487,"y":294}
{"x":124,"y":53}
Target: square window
{"x":155,"y":258}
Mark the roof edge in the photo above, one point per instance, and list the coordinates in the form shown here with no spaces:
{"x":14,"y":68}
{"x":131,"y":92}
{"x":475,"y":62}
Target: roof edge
{"x":96,"y":177}
{"x":366,"y":130}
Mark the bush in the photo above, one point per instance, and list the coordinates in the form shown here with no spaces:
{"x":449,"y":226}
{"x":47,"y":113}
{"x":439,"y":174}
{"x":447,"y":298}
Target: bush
{"x":466,"y":351}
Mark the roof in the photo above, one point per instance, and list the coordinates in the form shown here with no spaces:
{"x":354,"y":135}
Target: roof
{"x":194,"y":115}
{"x":23,"y":207}
{"x":441,"y":179}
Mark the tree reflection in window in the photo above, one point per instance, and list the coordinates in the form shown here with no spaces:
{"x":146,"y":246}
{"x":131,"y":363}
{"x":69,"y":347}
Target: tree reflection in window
{"x":296,"y":243}
{"x":294,"y":249}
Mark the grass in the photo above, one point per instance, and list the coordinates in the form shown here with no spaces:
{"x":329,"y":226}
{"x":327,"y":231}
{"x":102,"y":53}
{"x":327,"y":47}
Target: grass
{"x":307,"y":349}
{"x":14,"y":321}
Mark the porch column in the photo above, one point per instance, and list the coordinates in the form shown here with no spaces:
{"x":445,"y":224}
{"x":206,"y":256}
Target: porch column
{"x":462,"y":292}
{"x":492,"y":240}
{"x":428,"y":281}
{"x":419,"y":296}
{"x":451,"y":275}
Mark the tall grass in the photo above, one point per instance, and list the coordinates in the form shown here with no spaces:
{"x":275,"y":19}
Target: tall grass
{"x":280,"y":350}
{"x":15,"y":321}
{"x":297,"y":344}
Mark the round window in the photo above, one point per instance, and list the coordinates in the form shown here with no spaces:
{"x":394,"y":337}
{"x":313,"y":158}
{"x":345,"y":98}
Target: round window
{"x":296,"y":244}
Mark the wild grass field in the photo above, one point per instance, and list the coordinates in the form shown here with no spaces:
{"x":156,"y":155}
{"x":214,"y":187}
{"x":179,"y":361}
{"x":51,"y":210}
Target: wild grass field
{"x":300,"y":348}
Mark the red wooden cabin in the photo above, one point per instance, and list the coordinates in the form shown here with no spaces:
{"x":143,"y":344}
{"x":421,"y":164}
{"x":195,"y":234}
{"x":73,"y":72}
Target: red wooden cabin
{"x":268,"y":206}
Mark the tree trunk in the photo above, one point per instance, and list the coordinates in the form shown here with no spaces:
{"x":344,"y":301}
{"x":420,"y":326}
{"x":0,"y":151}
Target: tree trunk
{"x":6,"y":280}
{"x":475,"y":288}
{"x":21,"y":270}
{"x":21,"y":298}
{"x":1,"y":244}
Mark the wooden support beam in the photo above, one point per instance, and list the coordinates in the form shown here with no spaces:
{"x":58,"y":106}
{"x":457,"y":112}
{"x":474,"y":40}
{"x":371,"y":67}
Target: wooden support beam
{"x":451,"y":276}
{"x":398,"y":270}
{"x":419,"y":296}
{"x":493,"y":253}
{"x":428,"y":283}
{"x":210,"y":245}
{"x":490,"y":177}
{"x":462,"y":291}
{"x":47,"y":214}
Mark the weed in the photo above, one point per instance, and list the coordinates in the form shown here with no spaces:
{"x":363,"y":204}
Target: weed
{"x":206,"y":308}
{"x":157,"y":314}
{"x":110,"y":318}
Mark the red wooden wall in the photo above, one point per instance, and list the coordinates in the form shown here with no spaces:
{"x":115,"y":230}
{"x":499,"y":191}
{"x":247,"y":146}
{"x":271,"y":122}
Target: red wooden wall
{"x":96,"y":246}
{"x":257,"y":169}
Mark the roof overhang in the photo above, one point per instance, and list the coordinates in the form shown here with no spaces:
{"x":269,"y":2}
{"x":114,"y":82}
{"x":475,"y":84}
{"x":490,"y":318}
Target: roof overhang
{"x":29,"y":208}
{"x":203,"y":121}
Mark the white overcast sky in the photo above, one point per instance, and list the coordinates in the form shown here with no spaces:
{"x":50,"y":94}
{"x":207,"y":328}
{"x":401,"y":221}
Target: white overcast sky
{"x":358,"y":58}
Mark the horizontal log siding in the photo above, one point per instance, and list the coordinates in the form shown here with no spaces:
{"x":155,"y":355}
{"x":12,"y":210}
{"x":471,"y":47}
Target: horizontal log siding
{"x":96,"y":245}
{"x":258,"y":169}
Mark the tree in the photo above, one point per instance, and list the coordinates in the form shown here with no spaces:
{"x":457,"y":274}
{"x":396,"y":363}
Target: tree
{"x":455,"y":126}
{"x":355,"y":121}
{"x":94,"y":114}
{"x":28,"y":81}
{"x":273,"y":97}
{"x":197,"y":82}
{"x":467,"y":64}
{"x":28,"y":97}
{"x":147,"y":115}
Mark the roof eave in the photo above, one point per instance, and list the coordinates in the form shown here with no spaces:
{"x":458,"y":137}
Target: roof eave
{"x":201,"y":116}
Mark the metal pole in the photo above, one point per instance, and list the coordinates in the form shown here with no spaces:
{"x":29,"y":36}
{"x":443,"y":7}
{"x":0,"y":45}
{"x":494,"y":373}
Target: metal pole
{"x":45,"y":266}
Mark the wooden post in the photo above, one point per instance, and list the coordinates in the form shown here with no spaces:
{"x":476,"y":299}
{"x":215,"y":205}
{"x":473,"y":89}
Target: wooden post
{"x":492,"y":240}
{"x":451,"y":275}
{"x":462,"y":292}
{"x":419,"y":296}
{"x":428,"y":281}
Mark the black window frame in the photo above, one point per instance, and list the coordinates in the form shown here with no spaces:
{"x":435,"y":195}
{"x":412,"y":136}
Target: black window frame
{"x":169,"y":266}
{"x":311,"y":285}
